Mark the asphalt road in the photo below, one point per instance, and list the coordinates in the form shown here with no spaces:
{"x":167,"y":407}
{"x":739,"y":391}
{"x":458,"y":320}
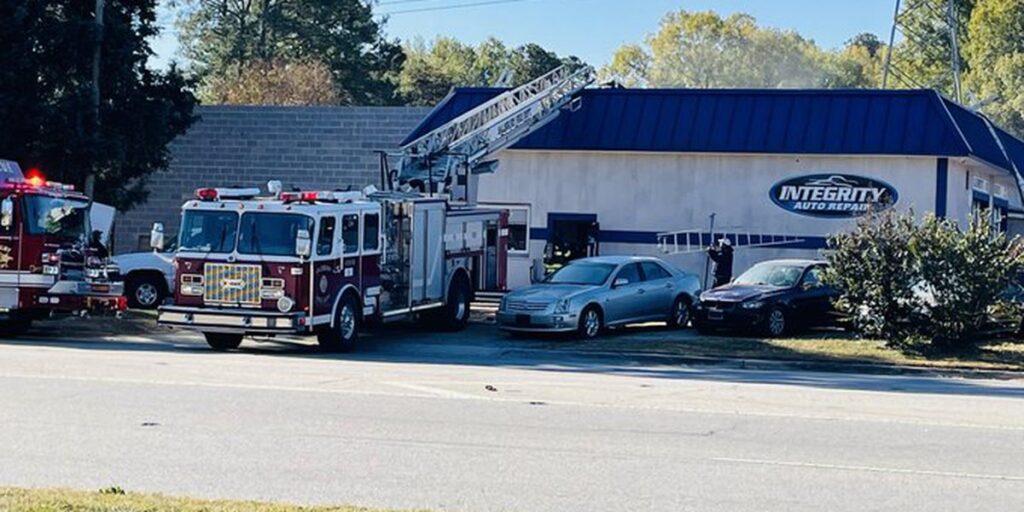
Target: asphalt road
{"x":478,"y":422}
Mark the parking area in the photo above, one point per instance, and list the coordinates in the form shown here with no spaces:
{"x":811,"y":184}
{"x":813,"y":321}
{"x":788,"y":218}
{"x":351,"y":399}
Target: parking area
{"x":481,"y":343}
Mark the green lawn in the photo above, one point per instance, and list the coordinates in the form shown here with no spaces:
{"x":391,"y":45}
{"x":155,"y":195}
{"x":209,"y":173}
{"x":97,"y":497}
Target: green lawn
{"x":115,"y":500}
{"x":830,"y":346}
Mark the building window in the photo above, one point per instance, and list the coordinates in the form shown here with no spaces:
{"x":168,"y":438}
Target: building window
{"x":518,"y":226}
{"x":519,"y":230}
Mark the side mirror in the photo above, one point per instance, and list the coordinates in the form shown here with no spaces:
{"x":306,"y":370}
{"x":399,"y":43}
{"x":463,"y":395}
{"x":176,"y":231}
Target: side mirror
{"x":7,"y":212}
{"x":619,"y":282}
{"x":303,"y":244}
{"x":274,"y":187}
{"x":156,"y":236}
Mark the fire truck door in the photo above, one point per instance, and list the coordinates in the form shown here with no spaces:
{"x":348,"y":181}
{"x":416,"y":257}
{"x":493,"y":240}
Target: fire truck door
{"x":427,"y":262}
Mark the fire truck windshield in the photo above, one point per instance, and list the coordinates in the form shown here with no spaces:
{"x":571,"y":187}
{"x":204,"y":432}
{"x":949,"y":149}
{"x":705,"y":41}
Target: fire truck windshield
{"x":271,"y":234}
{"x":65,"y":219}
{"x":208,"y":231}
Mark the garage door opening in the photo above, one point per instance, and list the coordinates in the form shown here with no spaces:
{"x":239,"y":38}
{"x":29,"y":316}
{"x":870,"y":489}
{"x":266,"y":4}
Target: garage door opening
{"x":571,"y":236}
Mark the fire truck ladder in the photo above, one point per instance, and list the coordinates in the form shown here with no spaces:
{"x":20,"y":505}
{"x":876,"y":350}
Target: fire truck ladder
{"x":689,"y":241}
{"x":468,"y":140}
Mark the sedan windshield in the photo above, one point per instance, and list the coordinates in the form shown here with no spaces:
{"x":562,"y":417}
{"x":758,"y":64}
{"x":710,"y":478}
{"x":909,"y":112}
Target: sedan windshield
{"x":582,"y":273}
{"x":771,"y":274}
{"x":208,"y":231}
{"x":65,"y":219}
{"x":271,"y":234}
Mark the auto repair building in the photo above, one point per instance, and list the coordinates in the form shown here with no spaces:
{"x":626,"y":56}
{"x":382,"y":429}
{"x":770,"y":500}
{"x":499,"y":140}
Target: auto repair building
{"x":642,"y":171}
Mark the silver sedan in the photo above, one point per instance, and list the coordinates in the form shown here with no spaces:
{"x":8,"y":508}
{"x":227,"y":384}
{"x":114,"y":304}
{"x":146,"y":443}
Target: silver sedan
{"x":588,"y":295}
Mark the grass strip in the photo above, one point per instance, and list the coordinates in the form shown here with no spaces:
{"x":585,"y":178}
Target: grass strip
{"x":114,"y":499}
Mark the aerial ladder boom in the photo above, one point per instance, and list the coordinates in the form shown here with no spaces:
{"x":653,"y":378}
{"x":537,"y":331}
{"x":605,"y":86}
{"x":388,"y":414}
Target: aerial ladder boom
{"x":466,"y":142}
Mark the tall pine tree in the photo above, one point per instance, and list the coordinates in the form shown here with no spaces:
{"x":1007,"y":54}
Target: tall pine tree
{"x":46,"y":120}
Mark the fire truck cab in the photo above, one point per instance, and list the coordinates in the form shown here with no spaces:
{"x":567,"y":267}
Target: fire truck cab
{"x":49,"y":262}
{"x":328,"y":263}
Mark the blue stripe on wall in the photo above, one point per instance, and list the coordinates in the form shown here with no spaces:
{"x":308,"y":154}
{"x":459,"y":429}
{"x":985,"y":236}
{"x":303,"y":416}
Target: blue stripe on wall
{"x":651,"y":238}
{"x":941,"y":186}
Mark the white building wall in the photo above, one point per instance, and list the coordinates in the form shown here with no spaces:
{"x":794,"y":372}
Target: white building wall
{"x":659,"y":192}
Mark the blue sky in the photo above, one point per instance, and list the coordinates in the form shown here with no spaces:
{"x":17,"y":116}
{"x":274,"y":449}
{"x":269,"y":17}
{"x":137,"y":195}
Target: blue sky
{"x":593,"y":29}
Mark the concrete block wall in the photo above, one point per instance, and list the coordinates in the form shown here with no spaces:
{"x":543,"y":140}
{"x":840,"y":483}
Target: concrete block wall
{"x":307,"y":147}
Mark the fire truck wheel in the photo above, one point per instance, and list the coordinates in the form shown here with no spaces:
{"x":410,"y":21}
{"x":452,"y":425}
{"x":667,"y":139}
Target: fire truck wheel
{"x":455,"y":314}
{"x":223,"y":341}
{"x":145,"y":291}
{"x":341,"y":337}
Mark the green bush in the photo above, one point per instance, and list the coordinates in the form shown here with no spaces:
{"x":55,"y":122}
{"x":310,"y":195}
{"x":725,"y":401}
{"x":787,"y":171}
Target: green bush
{"x":964,"y":274}
{"x":900,"y":279}
{"x":873,"y":267}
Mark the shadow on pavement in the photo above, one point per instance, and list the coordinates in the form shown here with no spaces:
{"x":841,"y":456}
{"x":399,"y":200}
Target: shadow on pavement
{"x":482,"y":345}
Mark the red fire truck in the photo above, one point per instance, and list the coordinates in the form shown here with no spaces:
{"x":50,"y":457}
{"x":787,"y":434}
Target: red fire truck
{"x":327,"y":263}
{"x":47,"y":263}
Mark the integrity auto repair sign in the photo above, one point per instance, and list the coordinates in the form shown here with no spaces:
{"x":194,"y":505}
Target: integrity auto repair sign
{"x":833,"y":195}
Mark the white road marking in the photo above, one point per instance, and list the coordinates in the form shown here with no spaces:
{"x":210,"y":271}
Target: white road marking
{"x":871,"y":469}
{"x":439,"y":392}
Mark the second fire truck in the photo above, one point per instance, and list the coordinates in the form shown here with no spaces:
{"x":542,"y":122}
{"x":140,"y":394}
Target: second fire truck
{"x":50,"y":259}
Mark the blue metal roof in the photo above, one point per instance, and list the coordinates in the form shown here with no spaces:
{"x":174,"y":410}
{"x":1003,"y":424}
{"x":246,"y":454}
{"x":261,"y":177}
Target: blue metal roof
{"x":770,"y":121}
{"x":1014,"y":148}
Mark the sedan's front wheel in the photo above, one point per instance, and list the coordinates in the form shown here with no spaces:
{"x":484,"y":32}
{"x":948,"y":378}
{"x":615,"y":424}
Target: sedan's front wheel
{"x":775,"y":324}
{"x":590,"y":323}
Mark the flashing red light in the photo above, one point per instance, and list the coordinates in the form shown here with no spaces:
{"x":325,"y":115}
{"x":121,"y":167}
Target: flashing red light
{"x":207,"y":194}
{"x":310,"y":196}
{"x":35,"y":178}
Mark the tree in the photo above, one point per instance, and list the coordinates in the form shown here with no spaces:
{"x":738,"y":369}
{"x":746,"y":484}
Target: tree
{"x":431,"y":70}
{"x":276,"y":83}
{"x":46,"y":118}
{"x":222,"y":37}
{"x":702,"y":49}
{"x":995,"y":50}
{"x":858,"y":64}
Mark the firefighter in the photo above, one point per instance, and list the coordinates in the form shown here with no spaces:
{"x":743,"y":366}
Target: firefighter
{"x":721,"y":254}
{"x":96,"y":245}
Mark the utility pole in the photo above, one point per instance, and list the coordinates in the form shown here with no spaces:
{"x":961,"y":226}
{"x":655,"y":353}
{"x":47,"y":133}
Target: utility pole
{"x":90,"y":177}
{"x":943,"y":17}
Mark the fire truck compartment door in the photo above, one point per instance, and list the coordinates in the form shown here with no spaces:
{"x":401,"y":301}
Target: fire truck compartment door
{"x":427,"y":263}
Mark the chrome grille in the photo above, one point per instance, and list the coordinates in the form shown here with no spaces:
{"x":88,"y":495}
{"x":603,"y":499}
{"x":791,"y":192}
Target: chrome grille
{"x":232,"y":284}
{"x":525,"y":305}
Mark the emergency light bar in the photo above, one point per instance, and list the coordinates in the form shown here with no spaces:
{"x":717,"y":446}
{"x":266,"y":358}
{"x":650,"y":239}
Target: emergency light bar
{"x":322,"y":197}
{"x":214,"y":194}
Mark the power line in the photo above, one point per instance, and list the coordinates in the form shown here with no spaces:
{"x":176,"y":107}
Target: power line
{"x":449,"y":7}
{"x":394,"y":2}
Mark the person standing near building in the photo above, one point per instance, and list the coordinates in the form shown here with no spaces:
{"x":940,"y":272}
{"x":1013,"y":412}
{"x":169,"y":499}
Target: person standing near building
{"x":721,"y":254}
